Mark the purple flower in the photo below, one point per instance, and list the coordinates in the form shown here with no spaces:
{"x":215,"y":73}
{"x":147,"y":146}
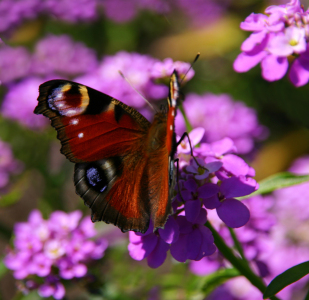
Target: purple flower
{"x":153,"y":246}
{"x":273,"y":240}
{"x":53,"y":287}
{"x":63,"y":9}
{"x":231,"y":211}
{"x":14,"y":63}
{"x":56,"y":249}
{"x":137,"y":69}
{"x":14,"y":12}
{"x":291,"y":41}
{"x":222,"y":117}
{"x":195,"y":240}
{"x":201,"y":12}
{"x":8,"y":165}
{"x":275,"y":37}
{"x":164,"y":69}
{"x":23,"y":94}
{"x":60,"y":55}
{"x":124,"y":11}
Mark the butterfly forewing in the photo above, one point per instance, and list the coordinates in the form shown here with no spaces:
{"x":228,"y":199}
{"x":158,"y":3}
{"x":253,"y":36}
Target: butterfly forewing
{"x":90,"y":125}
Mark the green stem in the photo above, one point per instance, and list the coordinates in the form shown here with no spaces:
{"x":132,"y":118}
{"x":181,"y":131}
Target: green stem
{"x":237,"y":243}
{"x":188,"y":125}
{"x":236,"y":262}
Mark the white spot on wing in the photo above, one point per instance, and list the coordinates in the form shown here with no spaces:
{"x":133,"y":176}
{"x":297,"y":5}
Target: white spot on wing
{"x":74,"y":122}
{"x":171,"y":127}
{"x":80,"y":135}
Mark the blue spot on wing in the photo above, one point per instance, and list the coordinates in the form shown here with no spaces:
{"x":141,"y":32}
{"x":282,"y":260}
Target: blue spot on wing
{"x":96,"y":179}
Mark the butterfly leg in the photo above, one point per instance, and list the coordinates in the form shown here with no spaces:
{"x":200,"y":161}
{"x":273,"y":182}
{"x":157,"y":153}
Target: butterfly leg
{"x":185,"y":134}
{"x":177,"y":167}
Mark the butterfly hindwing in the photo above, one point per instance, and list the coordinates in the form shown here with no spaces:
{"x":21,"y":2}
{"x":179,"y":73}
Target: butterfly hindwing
{"x":112,"y":189}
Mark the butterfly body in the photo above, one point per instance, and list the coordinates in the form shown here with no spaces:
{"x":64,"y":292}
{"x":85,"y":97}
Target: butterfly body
{"x":124,"y":164}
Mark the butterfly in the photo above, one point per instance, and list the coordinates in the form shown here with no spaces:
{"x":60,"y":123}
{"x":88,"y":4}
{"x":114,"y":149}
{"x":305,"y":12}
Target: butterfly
{"x":124,"y":165}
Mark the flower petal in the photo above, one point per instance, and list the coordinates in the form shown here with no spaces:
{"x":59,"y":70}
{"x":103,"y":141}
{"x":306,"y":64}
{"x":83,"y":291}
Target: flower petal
{"x":179,"y":250}
{"x":237,"y":186}
{"x":235,"y":165}
{"x":170,"y":233}
{"x":212,"y":202}
{"x":273,"y":67}
{"x":194,"y":244}
{"x":233,"y":213}
{"x":157,"y":257}
{"x":192,"y":210}
{"x":208,"y":190}
{"x":299,"y":71}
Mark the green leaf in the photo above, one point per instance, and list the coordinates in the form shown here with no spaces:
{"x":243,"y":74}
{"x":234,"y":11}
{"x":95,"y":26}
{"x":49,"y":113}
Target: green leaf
{"x":217,"y":278}
{"x":286,"y":278}
{"x":277,"y":181}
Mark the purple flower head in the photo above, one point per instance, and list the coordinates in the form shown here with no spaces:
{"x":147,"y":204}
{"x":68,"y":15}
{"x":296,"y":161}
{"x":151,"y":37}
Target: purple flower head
{"x":164,"y":69}
{"x":275,"y":37}
{"x":14,"y":63}
{"x":201,"y":12}
{"x":8,"y":165}
{"x":61,"y":55}
{"x":137,"y":69}
{"x":195,"y":240}
{"x":222,"y":117}
{"x":64,"y":10}
{"x":123,"y":11}
{"x":231,"y":211}
{"x":53,"y":287}
{"x":153,"y":245}
{"x":56,"y":249}
{"x":13,"y":14}
{"x":23,"y":94}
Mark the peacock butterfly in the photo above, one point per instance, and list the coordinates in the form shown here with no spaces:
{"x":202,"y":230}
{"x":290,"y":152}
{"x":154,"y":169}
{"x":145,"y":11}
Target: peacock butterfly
{"x":124,"y":165}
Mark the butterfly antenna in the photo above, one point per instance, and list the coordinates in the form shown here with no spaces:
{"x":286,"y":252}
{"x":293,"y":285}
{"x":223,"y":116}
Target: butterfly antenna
{"x":131,"y":85}
{"x":193,"y":62}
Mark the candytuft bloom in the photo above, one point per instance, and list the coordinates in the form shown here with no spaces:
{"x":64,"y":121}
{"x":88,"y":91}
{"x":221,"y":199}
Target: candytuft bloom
{"x":280,"y":34}
{"x":56,"y":249}
{"x":220,"y":116}
{"x":23,"y":94}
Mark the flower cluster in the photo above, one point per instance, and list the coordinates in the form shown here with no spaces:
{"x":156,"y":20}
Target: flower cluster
{"x":222,"y":117}
{"x":57,"y":249}
{"x":12,"y":14}
{"x":210,"y":181}
{"x":52,"y":56}
{"x":275,"y":233}
{"x":281,"y":34}
{"x":8,"y":165}
{"x":23,"y":94}
{"x":60,"y":56}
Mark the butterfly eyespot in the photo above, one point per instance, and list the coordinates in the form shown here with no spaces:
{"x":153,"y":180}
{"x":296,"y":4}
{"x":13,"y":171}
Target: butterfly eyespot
{"x":80,"y":135}
{"x":96,"y":179}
